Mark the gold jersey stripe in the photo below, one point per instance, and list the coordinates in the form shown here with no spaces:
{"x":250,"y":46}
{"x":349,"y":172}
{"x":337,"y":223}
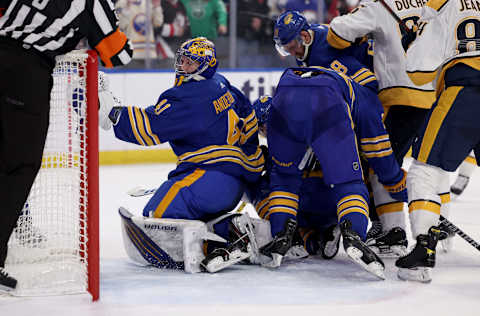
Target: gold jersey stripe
{"x":435,"y":122}
{"x":174,"y":189}
{"x":336,"y":41}
{"x":424,"y":205}
{"x":393,"y":207}
{"x":407,"y":96}
{"x":445,"y":197}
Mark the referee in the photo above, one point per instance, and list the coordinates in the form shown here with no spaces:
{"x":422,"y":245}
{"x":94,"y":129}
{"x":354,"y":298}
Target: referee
{"x":32,"y":33}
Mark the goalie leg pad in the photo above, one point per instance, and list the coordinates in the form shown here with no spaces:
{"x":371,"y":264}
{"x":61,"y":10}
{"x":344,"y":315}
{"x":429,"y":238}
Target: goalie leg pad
{"x":165,"y":243}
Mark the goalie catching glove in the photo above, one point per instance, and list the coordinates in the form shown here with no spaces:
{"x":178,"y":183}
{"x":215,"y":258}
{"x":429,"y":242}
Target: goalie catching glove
{"x":109,"y":106}
{"x":398,"y":187}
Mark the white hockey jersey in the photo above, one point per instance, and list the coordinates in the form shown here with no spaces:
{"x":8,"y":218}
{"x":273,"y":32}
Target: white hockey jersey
{"x":450,"y":36}
{"x":371,"y":17}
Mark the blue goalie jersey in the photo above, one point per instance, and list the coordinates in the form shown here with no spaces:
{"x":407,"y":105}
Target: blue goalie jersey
{"x":208,"y":123}
{"x":355,"y":61}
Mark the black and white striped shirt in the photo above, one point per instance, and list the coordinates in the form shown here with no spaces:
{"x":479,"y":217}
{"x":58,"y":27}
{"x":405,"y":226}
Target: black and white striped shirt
{"x":55,"y":27}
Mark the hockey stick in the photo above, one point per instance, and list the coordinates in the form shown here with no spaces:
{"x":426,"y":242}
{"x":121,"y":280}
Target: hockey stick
{"x":139,"y":191}
{"x":459,"y":232}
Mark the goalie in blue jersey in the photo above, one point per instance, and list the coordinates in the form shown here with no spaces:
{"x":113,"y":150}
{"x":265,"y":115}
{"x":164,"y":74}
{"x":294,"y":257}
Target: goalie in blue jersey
{"x":212,"y":129}
{"x":320,"y":110}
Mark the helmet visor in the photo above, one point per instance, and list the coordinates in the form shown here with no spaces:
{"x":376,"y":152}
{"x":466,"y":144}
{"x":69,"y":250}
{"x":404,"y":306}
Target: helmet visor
{"x":291,"y":46}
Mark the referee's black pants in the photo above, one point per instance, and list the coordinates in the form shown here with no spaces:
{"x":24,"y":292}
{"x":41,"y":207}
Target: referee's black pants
{"x":25,"y":86}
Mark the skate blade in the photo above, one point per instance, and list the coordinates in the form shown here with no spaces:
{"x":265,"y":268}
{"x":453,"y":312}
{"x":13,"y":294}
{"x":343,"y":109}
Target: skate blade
{"x":423,"y":275}
{"x":447,"y":244}
{"x":390,"y":252}
{"x":219,"y":264}
{"x":295,"y":253}
{"x":275,"y":262}
{"x":331,"y":247}
{"x":374,"y":267}
{"x":6,"y":290}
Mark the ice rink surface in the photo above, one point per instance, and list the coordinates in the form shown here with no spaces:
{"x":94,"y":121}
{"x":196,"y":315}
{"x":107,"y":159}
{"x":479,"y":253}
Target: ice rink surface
{"x":311,"y":286}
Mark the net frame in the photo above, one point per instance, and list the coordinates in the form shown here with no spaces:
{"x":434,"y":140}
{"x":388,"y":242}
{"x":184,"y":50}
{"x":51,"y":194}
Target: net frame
{"x":54,"y":249}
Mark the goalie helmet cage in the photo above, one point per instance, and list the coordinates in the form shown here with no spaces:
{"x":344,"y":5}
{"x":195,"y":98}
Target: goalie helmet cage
{"x":54,"y":249}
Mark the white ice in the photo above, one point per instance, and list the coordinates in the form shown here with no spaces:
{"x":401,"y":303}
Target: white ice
{"x":311,"y":286}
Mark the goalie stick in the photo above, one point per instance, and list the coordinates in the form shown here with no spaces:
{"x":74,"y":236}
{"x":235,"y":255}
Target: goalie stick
{"x":140,"y":191}
{"x":459,"y":232}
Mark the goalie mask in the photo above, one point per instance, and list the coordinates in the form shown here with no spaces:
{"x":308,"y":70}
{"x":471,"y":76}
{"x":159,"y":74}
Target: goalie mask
{"x":198,"y":52}
{"x":287,"y":31}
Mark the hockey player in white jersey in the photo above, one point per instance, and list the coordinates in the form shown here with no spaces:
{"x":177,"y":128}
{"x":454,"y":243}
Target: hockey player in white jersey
{"x":445,"y":50}
{"x":405,"y":103}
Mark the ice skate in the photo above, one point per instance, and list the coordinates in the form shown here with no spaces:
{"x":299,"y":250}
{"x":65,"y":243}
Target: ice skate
{"x":359,"y":252}
{"x":237,"y":249}
{"x":375,"y":230}
{"x":7,"y":283}
{"x":391,"y":244}
{"x":446,"y":237}
{"x":330,"y":242}
{"x":417,"y":265}
{"x":281,"y":243}
{"x":297,"y":250}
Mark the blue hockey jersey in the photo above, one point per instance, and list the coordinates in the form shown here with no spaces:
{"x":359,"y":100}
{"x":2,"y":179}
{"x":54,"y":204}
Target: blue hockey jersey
{"x":364,"y":109}
{"x":208,"y":123}
{"x":319,"y":108}
{"x":355,"y":61}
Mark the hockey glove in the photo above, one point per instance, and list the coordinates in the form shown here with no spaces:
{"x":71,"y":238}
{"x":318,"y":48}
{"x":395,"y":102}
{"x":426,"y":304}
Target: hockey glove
{"x":109,"y":106}
{"x":398,"y":189}
{"x":409,"y":35}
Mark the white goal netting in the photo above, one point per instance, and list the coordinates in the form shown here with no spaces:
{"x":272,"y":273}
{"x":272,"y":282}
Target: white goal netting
{"x":49,"y":250}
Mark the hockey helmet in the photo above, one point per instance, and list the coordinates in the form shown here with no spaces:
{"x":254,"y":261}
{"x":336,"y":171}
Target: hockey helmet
{"x":262,"y":108}
{"x":201,"y":51}
{"x":287,"y":28}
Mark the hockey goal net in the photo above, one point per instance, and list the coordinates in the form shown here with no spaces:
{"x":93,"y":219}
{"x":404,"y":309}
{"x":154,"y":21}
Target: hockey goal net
{"x":54,"y":248}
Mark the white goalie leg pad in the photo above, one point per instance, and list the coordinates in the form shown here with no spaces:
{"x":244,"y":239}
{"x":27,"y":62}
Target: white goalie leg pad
{"x":424,"y":202}
{"x":263,"y":236}
{"x":165,"y":243}
{"x":390,"y":211}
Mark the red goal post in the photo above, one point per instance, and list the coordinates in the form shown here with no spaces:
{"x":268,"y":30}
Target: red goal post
{"x":54,"y":249}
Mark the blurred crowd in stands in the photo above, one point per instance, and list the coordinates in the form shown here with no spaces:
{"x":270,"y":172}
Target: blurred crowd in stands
{"x":241,"y":29}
